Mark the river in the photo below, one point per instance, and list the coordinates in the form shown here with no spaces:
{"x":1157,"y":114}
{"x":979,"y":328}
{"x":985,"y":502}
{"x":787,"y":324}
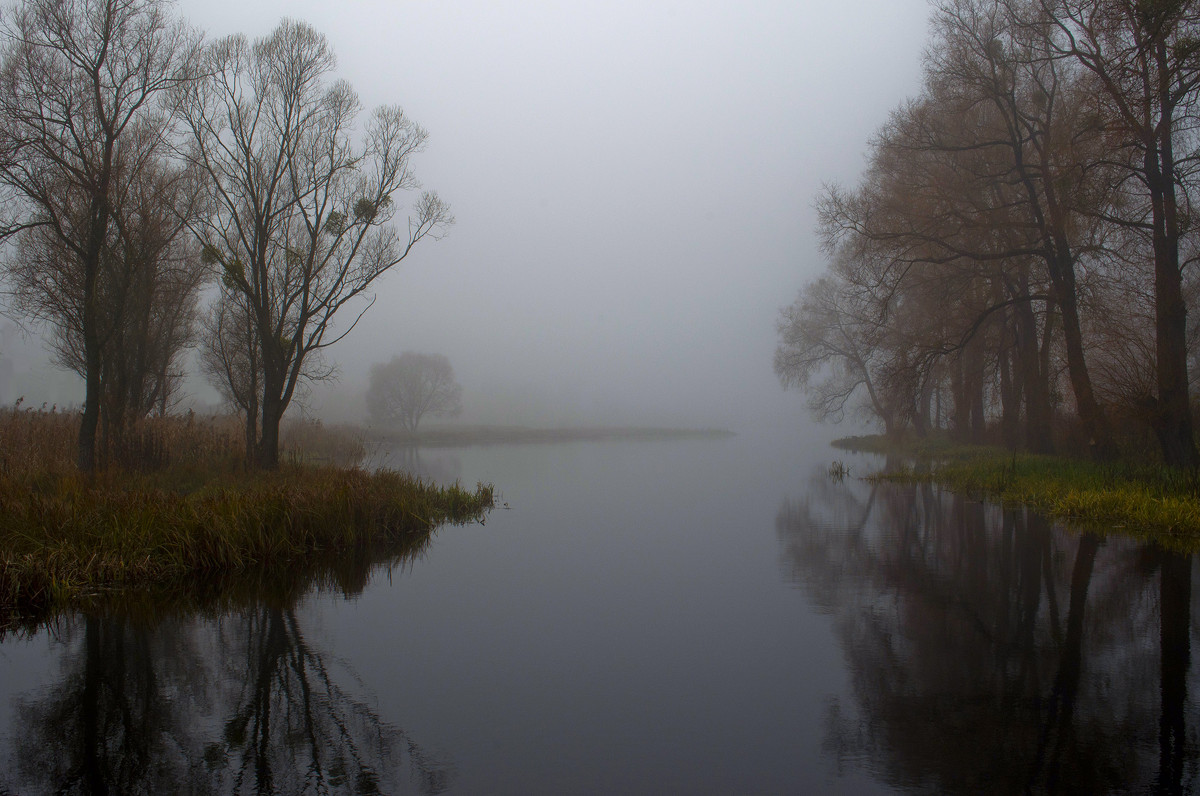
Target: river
{"x":676,"y":616}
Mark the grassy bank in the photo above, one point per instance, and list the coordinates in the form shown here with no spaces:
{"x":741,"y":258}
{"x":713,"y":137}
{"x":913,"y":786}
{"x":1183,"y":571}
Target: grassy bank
{"x":1134,"y":499}
{"x":190,"y":513}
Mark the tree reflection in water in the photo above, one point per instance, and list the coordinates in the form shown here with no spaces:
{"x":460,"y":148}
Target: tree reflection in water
{"x":114,"y":722}
{"x":438,"y":466}
{"x":992,"y":652}
{"x":240,"y":703}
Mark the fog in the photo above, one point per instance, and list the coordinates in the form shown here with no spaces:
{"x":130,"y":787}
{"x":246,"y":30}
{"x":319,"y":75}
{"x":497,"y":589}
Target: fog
{"x":633,"y":185}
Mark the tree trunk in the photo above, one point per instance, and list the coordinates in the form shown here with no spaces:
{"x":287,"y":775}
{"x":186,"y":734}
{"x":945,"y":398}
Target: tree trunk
{"x":1171,"y":413}
{"x":1034,"y":382}
{"x":90,"y":422}
{"x":1171,"y":418}
{"x":1010,"y":391}
{"x":920,"y":416}
{"x":92,"y":354}
{"x":267,"y":452}
{"x":962,"y":406}
{"x":973,"y":378}
{"x":1091,"y":415}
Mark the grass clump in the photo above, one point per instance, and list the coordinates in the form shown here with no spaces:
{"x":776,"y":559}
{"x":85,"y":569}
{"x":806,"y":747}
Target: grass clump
{"x":199,"y":517}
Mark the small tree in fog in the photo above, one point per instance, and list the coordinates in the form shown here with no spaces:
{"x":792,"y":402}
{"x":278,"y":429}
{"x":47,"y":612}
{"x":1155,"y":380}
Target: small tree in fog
{"x":411,"y":386}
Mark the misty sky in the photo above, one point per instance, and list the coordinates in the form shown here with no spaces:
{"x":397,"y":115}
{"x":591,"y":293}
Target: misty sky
{"x":633,"y":186}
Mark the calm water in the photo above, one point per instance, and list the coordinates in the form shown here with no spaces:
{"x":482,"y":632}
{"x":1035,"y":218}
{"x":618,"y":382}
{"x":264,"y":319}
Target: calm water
{"x":700,"y":616}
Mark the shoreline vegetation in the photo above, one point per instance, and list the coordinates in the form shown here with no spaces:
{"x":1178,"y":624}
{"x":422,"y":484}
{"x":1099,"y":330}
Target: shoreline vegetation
{"x":175,"y":509}
{"x":464,"y":436}
{"x":1139,"y":500}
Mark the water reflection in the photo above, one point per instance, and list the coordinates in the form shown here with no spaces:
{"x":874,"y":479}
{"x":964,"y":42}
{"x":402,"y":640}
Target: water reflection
{"x":110,"y":725}
{"x":233,"y":700}
{"x":992,"y":652}
{"x":441,"y":466}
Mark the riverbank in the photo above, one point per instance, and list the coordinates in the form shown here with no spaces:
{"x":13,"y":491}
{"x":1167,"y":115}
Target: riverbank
{"x":185,"y":511}
{"x":65,"y":538}
{"x":1138,"y":500}
{"x":462,"y":436}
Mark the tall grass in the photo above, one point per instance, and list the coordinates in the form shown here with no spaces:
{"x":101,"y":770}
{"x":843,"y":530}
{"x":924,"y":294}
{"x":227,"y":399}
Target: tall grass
{"x":44,"y":440}
{"x":196,"y":514}
{"x":313,"y":442}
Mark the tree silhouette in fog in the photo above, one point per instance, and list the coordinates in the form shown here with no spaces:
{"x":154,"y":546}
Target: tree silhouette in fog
{"x":410,"y":386}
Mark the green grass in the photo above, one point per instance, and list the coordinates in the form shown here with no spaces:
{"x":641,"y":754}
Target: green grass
{"x":1138,"y":500}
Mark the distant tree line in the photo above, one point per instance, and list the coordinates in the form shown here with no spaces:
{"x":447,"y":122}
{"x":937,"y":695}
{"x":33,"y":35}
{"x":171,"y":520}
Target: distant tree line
{"x":1018,"y":256}
{"x":144,"y":170}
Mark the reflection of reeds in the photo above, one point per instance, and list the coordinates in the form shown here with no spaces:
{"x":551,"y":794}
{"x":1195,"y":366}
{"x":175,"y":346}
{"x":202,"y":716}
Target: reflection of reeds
{"x":188,"y":508}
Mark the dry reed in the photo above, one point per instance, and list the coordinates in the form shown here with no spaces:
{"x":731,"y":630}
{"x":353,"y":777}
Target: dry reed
{"x":189,"y":509}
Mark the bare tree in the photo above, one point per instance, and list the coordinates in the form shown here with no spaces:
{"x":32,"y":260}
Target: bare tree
{"x":830,"y":346}
{"x":161,"y":274}
{"x":1035,"y":200}
{"x":78,"y":77}
{"x":147,"y":288}
{"x":1144,"y":58}
{"x":937,"y":231}
{"x":411,"y":386}
{"x":1001,"y":180}
{"x":1048,"y":141}
{"x":302,"y":217}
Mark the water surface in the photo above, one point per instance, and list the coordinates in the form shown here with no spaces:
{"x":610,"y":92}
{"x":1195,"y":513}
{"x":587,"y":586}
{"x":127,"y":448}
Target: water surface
{"x":683,"y":616}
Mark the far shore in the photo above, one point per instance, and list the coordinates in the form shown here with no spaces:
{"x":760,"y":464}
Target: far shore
{"x":463,"y":436}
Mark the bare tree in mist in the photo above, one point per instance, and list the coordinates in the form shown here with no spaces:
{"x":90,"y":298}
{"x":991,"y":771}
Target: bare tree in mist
{"x":1144,"y":58}
{"x":80,"y":89}
{"x":830,"y":348}
{"x":303,"y":209}
{"x":147,"y":289}
{"x":1032,"y":203}
{"x":1047,"y":138}
{"x":411,"y":386}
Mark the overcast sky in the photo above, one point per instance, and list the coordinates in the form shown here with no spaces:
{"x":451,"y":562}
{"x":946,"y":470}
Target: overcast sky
{"x":633,"y":185}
